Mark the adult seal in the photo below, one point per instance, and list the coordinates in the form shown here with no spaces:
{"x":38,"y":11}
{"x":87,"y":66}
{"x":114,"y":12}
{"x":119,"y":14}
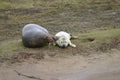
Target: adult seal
{"x":34,"y":35}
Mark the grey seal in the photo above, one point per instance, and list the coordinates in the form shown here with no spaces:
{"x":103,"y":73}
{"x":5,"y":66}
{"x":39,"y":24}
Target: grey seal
{"x":34,"y":35}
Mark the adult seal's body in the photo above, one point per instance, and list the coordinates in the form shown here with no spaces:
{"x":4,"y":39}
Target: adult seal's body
{"x":34,"y":35}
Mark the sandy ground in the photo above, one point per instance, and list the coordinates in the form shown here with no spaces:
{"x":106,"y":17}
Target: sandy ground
{"x":93,"y":67}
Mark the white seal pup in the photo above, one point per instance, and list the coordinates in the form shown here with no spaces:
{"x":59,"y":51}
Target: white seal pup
{"x":63,"y":39}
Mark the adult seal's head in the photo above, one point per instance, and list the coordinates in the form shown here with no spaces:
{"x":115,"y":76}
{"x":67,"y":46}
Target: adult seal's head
{"x":34,"y":35}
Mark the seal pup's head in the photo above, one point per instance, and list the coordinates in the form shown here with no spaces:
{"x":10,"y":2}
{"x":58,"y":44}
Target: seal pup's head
{"x":62,"y":42}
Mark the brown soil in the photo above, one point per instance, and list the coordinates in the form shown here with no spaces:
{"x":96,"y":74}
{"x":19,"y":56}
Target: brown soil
{"x":95,"y":66}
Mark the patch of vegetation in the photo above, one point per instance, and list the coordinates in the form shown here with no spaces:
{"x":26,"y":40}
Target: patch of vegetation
{"x":96,"y":22}
{"x":57,"y":15}
{"x":60,"y":4}
{"x":99,"y":40}
{"x":10,"y":47}
{"x":92,"y":41}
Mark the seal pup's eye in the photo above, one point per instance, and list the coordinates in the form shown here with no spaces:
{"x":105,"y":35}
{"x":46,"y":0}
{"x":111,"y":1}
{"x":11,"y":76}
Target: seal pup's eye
{"x":63,"y":42}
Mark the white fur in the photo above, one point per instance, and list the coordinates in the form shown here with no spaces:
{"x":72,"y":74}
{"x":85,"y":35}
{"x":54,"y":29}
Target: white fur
{"x":64,"y":39}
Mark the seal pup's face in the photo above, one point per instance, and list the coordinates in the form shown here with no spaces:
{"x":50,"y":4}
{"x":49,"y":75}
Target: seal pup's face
{"x":62,"y":42}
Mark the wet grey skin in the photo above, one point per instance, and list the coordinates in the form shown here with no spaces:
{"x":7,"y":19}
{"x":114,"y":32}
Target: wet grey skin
{"x":34,"y":35}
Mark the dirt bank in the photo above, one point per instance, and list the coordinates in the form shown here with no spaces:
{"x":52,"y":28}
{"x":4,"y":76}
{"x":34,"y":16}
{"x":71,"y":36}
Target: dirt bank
{"x":103,"y":66}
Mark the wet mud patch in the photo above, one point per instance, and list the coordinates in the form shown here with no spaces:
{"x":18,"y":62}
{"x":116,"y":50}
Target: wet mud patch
{"x":21,"y":57}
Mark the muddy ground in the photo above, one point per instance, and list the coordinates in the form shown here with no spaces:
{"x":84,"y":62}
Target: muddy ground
{"x":103,"y":66}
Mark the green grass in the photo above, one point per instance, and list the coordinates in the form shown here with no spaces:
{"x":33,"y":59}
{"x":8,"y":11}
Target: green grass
{"x":104,"y":40}
{"x":59,"y":4}
{"x":12,"y":47}
{"x":101,"y":35}
{"x":7,"y":4}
